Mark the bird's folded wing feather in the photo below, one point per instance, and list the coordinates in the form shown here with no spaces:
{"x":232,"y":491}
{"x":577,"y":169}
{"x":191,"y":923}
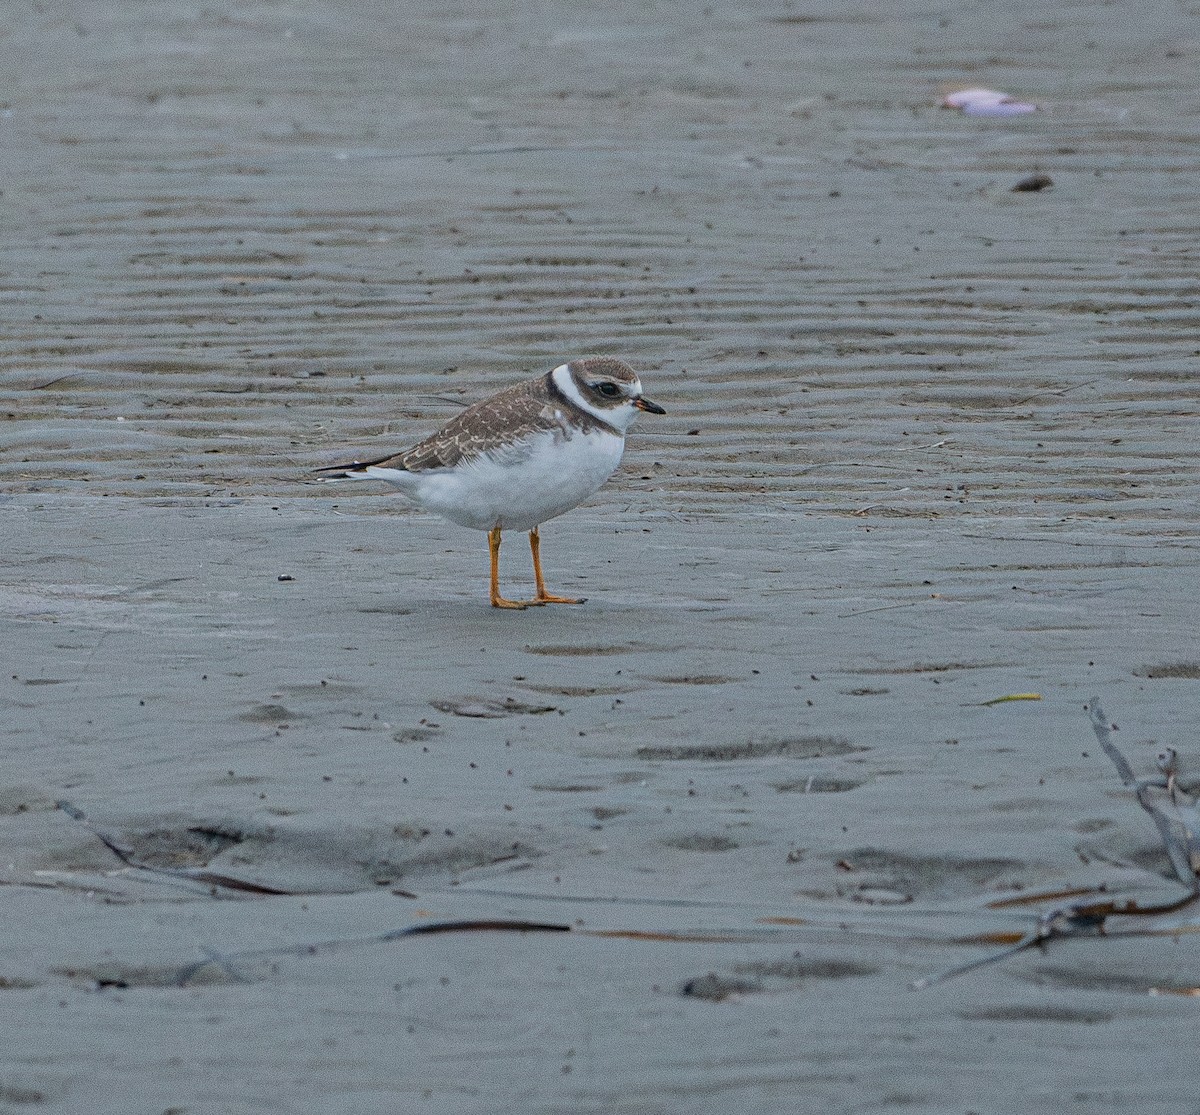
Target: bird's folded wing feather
{"x":488,"y":427}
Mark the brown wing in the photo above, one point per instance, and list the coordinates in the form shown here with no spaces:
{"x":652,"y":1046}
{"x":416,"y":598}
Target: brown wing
{"x":498,"y":424}
{"x":491,"y":424}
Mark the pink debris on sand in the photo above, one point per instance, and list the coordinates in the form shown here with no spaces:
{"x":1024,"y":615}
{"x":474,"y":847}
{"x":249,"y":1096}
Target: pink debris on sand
{"x":986,"y":102}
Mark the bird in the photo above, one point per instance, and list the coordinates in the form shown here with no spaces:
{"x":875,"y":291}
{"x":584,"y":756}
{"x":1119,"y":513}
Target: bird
{"x":517,"y":458}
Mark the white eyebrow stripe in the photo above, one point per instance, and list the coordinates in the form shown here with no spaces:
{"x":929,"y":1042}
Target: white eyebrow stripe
{"x":565,"y":382}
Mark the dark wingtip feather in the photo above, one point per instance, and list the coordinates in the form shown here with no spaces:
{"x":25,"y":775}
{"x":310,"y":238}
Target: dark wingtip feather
{"x":346,"y":471}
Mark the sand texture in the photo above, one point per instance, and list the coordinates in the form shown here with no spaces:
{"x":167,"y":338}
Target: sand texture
{"x":929,"y":442}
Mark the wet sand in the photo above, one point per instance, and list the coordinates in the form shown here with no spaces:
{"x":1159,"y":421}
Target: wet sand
{"x":929,"y":442}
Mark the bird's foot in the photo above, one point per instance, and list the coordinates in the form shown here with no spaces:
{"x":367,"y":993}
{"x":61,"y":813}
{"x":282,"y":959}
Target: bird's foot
{"x":551,"y":598}
{"x":517,"y":605}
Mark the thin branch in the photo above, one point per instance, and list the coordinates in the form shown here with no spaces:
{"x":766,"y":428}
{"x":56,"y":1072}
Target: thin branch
{"x":1177,"y":851}
{"x":192,"y":874}
{"x":1089,"y":919}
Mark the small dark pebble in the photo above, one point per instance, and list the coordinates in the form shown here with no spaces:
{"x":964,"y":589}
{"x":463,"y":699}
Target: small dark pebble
{"x":1033,"y":184}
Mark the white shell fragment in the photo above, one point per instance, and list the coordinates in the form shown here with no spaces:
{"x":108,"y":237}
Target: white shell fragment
{"x":986,"y":102}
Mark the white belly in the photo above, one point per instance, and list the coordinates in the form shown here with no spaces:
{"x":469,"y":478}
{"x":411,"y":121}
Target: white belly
{"x":519,"y":489}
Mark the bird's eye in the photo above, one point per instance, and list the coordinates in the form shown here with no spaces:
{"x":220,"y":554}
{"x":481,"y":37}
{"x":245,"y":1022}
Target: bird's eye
{"x":608,"y":390}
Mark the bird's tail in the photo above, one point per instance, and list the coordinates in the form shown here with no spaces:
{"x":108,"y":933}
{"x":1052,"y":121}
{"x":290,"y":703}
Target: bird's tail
{"x":355,"y":470}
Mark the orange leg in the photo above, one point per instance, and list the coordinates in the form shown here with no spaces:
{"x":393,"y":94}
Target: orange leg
{"x":498,"y":601}
{"x":544,"y":597}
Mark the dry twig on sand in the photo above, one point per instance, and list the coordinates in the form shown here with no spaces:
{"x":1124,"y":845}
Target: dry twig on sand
{"x":199,"y":875}
{"x":1175,"y":815}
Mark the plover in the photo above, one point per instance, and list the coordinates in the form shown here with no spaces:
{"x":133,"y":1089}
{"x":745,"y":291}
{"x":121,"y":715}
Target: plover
{"x":520,"y":457}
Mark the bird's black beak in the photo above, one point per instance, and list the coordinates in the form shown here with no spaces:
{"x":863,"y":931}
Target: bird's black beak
{"x":642,"y":403}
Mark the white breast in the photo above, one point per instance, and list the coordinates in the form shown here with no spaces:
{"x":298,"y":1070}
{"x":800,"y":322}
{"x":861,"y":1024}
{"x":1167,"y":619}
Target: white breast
{"x":522,"y":486}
